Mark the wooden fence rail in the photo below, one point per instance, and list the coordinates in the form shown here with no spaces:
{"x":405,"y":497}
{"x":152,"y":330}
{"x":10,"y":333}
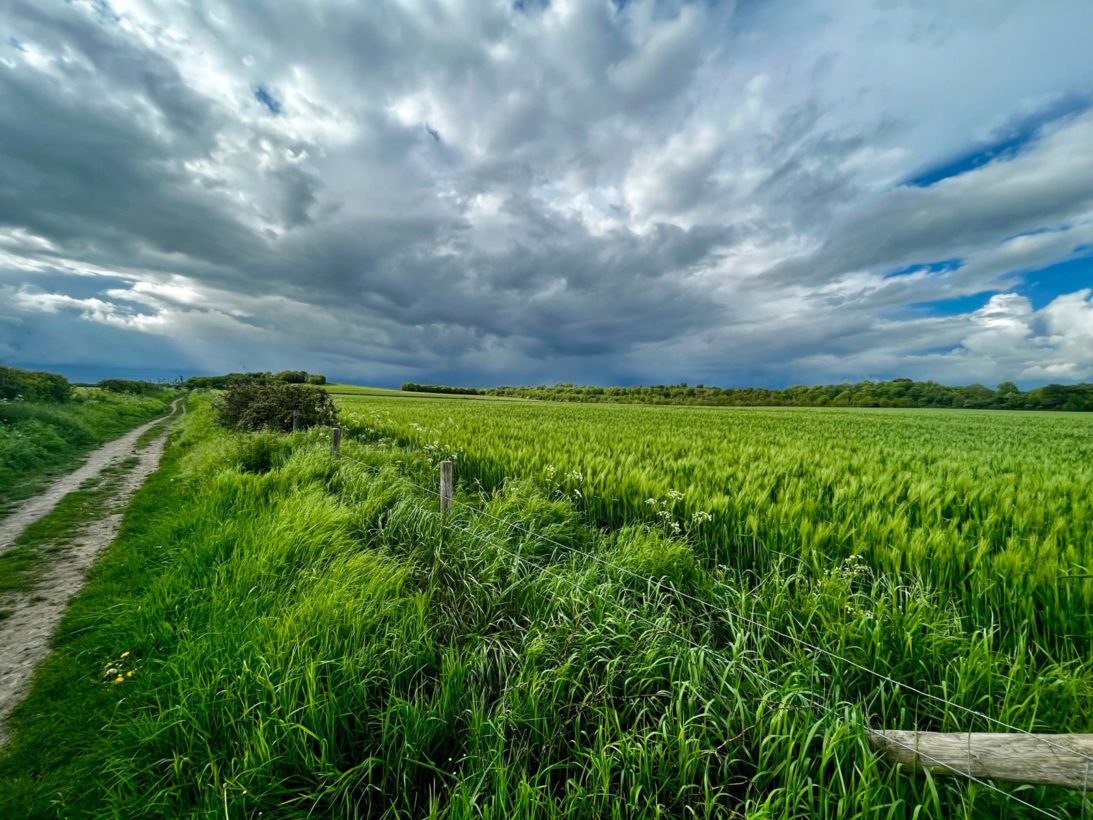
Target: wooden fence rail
{"x":1052,"y":760}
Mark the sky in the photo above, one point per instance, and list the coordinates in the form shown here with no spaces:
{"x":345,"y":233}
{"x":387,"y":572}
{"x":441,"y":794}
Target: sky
{"x":769,"y":192}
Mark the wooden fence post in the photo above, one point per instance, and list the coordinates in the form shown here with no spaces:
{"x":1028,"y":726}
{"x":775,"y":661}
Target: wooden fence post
{"x":295,"y":420}
{"x":335,"y":440}
{"x":445,"y":488}
{"x":1053,"y":760}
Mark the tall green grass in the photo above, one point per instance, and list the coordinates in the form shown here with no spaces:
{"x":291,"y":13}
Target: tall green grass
{"x":42,"y":439}
{"x":309,"y":639}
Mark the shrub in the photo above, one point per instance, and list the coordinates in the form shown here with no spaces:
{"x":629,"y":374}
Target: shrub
{"x":250,"y":406}
{"x":33,"y":385}
{"x":316,"y":378}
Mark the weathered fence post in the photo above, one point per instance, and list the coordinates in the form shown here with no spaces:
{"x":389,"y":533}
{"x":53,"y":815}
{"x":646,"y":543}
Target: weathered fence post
{"x":335,"y":440}
{"x":295,"y":420}
{"x":445,"y":488}
{"x":1053,"y":760}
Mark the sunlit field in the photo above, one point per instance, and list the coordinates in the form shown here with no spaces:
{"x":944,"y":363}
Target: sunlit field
{"x":996,"y":508}
{"x":954,"y":546}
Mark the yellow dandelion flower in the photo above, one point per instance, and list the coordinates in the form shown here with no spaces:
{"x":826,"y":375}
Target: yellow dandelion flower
{"x":125,"y":654}
{"x":118,"y":680}
{"x":129,"y":674}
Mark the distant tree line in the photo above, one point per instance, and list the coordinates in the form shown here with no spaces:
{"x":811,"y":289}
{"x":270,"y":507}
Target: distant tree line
{"x":410,"y":387}
{"x":894,"y":393}
{"x":261,"y":377}
{"x":37,"y":385}
{"x":139,"y":388}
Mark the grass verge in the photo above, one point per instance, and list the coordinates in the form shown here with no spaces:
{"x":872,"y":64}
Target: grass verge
{"x":308,"y":639}
{"x":39,"y":441}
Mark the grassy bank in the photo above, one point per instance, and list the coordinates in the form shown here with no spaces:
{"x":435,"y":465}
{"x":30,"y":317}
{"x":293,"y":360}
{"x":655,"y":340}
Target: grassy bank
{"x":308,"y":640}
{"x":40,"y":440}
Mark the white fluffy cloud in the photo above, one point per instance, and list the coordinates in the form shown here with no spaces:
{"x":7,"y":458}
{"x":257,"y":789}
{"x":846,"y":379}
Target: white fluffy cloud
{"x":580,"y":189}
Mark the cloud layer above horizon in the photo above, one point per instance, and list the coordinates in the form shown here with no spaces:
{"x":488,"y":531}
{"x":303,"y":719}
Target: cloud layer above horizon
{"x":497,"y":192}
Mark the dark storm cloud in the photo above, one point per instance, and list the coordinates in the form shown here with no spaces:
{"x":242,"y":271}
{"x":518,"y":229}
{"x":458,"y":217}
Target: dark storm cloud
{"x":648,"y":190}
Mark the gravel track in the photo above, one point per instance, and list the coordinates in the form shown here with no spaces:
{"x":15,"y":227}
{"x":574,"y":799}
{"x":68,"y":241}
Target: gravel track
{"x":34,"y":614}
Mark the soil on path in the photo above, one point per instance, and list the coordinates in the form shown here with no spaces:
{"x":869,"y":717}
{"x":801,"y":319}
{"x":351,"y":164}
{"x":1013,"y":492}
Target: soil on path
{"x":34,"y":614}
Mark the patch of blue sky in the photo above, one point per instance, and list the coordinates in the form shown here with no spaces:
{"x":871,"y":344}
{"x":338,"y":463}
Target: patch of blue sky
{"x":262,"y":94}
{"x":1039,"y":286}
{"x":1010,"y":141}
{"x":1043,"y":285}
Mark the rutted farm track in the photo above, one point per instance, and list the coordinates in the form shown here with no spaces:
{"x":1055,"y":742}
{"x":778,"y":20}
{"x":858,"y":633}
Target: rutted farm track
{"x":32,"y":614}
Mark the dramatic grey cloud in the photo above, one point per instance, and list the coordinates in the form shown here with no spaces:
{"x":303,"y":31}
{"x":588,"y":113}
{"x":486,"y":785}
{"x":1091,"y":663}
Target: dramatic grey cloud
{"x":602,"y":191}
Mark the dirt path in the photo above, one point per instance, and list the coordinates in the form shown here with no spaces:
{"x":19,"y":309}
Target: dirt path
{"x":34,"y":508}
{"x":25,"y":633}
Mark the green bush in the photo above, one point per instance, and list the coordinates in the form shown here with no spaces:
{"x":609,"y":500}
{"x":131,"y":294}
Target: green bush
{"x":316,"y":378}
{"x":33,"y":385}
{"x":271,"y":406}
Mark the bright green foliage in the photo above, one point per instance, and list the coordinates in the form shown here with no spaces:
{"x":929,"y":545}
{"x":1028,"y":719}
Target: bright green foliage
{"x":42,"y":438}
{"x":308,"y":640}
{"x":33,"y":385}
